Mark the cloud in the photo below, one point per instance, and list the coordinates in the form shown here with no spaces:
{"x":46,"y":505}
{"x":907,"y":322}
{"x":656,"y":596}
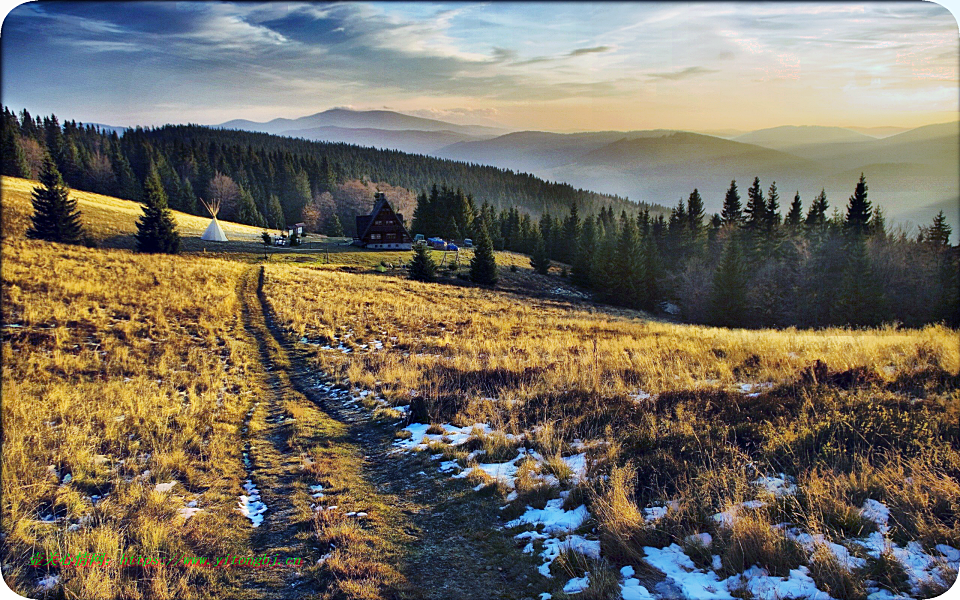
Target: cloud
{"x":594,"y":50}
{"x":682,"y":73}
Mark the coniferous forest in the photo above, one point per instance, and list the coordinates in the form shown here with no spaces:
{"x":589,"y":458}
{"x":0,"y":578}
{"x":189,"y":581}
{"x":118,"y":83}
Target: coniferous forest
{"x":265,"y":180}
{"x":760,"y":262}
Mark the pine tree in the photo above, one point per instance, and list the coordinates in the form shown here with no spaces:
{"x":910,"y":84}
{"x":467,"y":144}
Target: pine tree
{"x":695,"y":214}
{"x":584,"y":269}
{"x":795,"y":216}
{"x":483,"y":267}
{"x":857,"y":221}
{"x":938,"y":234}
{"x":274,"y":214}
{"x":772,"y":216}
{"x":571,"y":233}
{"x":728,"y":297}
{"x":629,"y":261}
{"x":755,"y":212}
{"x":817,"y":216}
{"x":422,"y":267}
{"x":540,"y":260}
{"x":651,"y":274}
{"x":333,"y":227}
{"x":732,"y":212}
{"x":55,"y":214}
{"x":14,"y":161}
{"x":860,"y":301}
{"x":156,"y":230}
{"x":878,"y":223}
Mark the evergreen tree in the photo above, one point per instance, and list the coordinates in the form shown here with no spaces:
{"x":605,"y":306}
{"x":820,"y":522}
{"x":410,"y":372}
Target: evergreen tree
{"x":483,"y":267}
{"x":333,"y":227}
{"x":55,"y":214}
{"x":156,"y":229}
{"x":571,"y":233}
{"x":732,"y":212}
{"x":795,"y":216}
{"x":274,"y":214}
{"x":14,"y":161}
{"x":860,"y":300}
{"x":695,"y":214}
{"x":629,"y":261}
{"x":728,"y":297}
{"x":817,"y":216}
{"x":584,"y":268}
{"x":247,"y":212}
{"x":772,"y":216}
{"x":651,"y":272}
{"x":937,"y":234}
{"x":422,"y":267}
{"x":878,"y":223}
{"x":755,"y":212}
{"x":540,"y":260}
{"x":857,"y":221}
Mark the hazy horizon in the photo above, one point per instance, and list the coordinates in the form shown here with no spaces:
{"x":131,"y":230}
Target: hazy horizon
{"x":585,"y":67}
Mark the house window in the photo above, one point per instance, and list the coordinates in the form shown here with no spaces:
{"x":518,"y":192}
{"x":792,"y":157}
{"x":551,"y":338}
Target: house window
{"x":391,"y":236}
{"x":374,"y":236}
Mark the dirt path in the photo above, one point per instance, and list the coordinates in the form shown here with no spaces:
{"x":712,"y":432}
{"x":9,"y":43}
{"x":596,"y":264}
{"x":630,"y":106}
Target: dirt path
{"x":388,"y":525}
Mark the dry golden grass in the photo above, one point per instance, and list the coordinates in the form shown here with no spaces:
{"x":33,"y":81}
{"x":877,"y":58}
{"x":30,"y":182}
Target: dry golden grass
{"x":105,"y":217}
{"x":852,"y":414}
{"x":123,"y":371}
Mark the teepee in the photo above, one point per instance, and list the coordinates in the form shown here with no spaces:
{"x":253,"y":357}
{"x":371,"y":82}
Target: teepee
{"x":214,"y":232}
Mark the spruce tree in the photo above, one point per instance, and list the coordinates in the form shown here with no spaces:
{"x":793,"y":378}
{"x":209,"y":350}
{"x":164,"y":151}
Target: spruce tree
{"x":540,"y":260}
{"x":861,"y":301}
{"x":695,"y":214}
{"x":55,"y":214}
{"x":732,"y":212}
{"x":14,"y":161}
{"x":728,"y":296}
{"x":571,"y":233}
{"x":156,"y":229}
{"x":772,"y":216}
{"x":584,"y":270}
{"x":422,"y":267}
{"x":755,"y":212}
{"x":795,"y":216}
{"x":483,"y":267}
{"x":333,"y":227}
{"x":857,"y":220}
{"x":817,"y":216}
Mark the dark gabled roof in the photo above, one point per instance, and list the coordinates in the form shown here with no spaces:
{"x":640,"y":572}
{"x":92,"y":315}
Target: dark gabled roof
{"x":364,"y":222}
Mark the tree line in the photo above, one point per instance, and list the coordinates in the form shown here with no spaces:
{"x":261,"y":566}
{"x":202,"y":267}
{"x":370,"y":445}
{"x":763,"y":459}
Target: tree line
{"x":260,"y":179}
{"x":750,"y":265}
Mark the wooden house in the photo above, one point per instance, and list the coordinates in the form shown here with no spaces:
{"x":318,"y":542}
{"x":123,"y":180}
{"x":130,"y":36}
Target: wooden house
{"x":382,"y":229}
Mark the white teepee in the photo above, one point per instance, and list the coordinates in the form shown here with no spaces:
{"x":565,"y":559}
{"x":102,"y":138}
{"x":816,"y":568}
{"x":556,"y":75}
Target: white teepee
{"x":214,"y":232}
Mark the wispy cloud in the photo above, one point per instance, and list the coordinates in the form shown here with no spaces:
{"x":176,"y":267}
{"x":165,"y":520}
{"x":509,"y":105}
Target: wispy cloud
{"x":683,"y":73}
{"x":560,"y":65}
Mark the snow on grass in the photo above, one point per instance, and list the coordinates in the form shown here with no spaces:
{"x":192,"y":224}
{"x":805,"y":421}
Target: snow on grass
{"x":553,"y":518}
{"x":577,"y":584}
{"x":876,"y":512}
{"x":680,"y":570}
{"x":163,"y":488}
{"x":48,"y":583}
{"x":631,"y":589}
{"x":250,"y":505}
{"x":778,"y":485}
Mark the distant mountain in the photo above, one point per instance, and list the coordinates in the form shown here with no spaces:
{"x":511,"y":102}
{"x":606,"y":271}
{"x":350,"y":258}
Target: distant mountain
{"x":531,"y":151}
{"x":789,"y":136}
{"x":879,"y":132}
{"x":109,"y":128}
{"x":905,"y":172}
{"x":358,"y":119}
{"x":412,"y":141}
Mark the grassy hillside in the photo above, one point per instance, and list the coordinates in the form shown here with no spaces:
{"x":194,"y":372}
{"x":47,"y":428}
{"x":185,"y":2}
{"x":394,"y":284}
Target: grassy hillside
{"x":637,"y":419}
{"x":620,"y":452}
{"x":112,"y":221}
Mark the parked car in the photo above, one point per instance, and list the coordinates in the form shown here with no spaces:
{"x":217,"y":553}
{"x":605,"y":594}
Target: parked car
{"x":468,"y":243}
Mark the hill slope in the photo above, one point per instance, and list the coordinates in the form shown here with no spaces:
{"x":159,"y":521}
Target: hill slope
{"x":357,"y":119}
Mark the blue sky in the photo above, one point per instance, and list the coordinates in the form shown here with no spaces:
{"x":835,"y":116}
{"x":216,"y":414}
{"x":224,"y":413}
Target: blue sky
{"x":561,"y":67}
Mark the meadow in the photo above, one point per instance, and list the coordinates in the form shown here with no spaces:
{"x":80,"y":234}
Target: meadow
{"x":676,"y":423}
{"x":619,"y":451}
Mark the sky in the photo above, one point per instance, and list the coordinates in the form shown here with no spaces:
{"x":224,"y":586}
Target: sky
{"x":555,"y":67}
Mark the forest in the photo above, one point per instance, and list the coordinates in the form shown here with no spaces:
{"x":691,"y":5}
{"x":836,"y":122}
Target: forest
{"x":265,"y":180}
{"x":749,"y":266}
